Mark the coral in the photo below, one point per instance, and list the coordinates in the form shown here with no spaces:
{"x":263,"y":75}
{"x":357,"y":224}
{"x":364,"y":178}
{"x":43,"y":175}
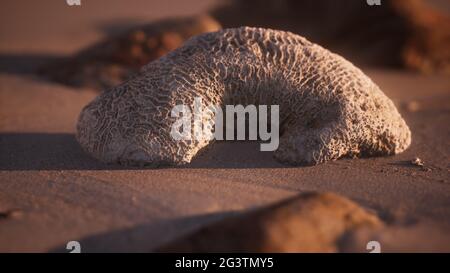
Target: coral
{"x":328,"y":107}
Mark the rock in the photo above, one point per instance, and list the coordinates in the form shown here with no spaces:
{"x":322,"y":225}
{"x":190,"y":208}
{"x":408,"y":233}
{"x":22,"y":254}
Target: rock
{"x":312,"y":222}
{"x":414,"y":34}
{"x":413,"y":106}
{"x":417,"y":162}
{"x":126,"y":53}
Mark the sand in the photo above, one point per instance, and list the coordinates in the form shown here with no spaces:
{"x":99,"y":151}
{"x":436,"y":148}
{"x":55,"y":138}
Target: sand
{"x":51,"y":192}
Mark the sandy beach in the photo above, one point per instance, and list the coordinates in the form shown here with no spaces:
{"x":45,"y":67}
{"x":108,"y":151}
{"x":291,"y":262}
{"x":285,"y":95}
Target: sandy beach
{"x":52,"y":192}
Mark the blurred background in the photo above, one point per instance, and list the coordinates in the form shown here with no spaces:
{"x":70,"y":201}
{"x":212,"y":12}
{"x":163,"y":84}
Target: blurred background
{"x":101,"y":43}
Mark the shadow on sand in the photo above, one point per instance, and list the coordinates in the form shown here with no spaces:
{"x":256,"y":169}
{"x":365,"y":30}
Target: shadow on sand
{"x":61,"y":151}
{"x":145,"y":237}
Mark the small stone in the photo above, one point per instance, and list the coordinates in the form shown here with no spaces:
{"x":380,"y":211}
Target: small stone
{"x":413,"y":106}
{"x":16,"y":213}
{"x":417,"y":162}
{"x":11,"y":214}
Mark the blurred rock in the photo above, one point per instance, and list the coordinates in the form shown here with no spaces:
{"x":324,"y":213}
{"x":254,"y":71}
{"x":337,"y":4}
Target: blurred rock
{"x":412,"y":106}
{"x":112,"y":61}
{"x":427,"y":48}
{"x":312,"y":222}
{"x":398,"y":33}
